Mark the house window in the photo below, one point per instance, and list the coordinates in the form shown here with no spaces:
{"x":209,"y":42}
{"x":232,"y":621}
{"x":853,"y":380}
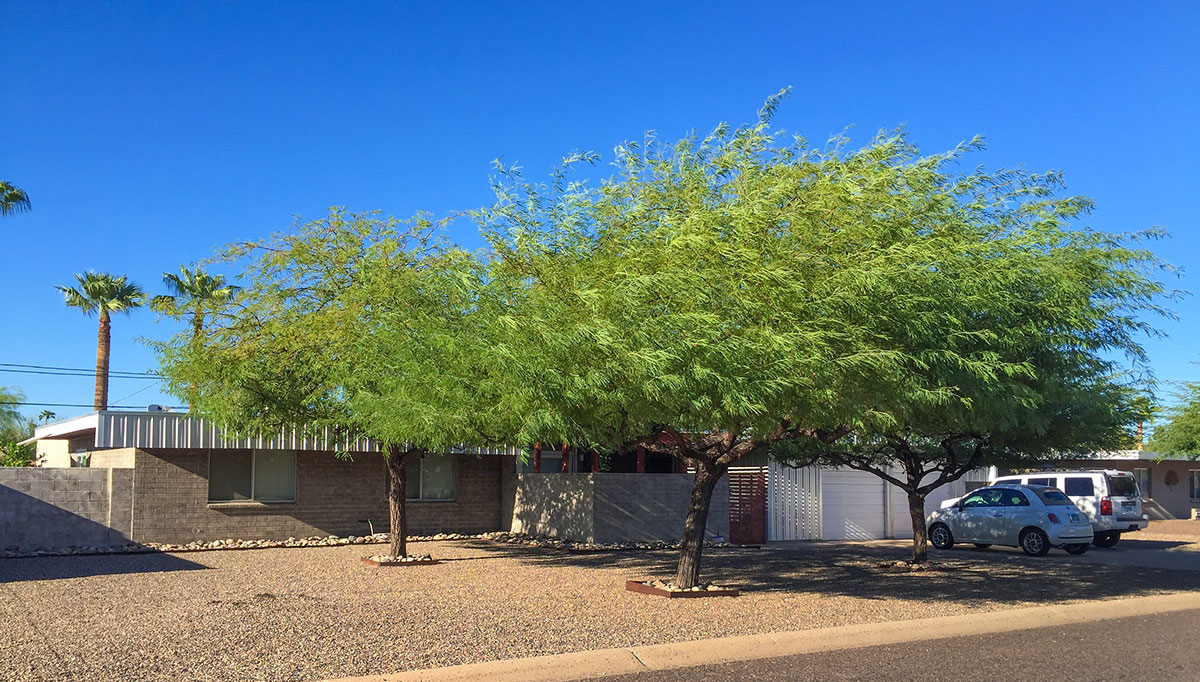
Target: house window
{"x":1194,"y":483}
{"x":1143,"y":481}
{"x":431,"y":478}
{"x":260,"y":475}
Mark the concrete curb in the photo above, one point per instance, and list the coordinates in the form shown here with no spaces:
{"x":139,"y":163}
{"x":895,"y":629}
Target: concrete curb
{"x":604,"y":662}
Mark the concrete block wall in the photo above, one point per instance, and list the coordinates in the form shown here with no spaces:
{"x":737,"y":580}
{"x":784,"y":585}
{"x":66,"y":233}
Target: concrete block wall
{"x":46,"y":509}
{"x":333,"y":497}
{"x":611,"y":507}
{"x":558,"y":505}
{"x":648,"y":507}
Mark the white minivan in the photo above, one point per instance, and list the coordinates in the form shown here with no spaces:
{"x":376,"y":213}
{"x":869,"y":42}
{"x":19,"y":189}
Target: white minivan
{"x":1110,"y":498}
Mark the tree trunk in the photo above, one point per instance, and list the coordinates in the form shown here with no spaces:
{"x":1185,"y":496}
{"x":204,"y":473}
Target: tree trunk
{"x":916,"y":509}
{"x":197,"y":332}
{"x":103,"y":343}
{"x":397,"y":466}
{"x":687,"y":574}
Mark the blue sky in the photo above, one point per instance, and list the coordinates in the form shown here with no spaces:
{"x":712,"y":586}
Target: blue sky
{"x":147,"y":134}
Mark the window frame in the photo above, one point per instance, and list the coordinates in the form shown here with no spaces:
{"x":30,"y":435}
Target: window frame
{"x":452,"y":458}
{"x":253,"y":475}
{"x":1194,"y":484}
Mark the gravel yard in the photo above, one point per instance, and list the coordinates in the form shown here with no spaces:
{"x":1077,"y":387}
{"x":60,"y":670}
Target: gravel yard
{"x":316,"y":613}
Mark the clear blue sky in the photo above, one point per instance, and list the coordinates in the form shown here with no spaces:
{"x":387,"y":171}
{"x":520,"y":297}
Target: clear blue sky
{"x":149,"y":133}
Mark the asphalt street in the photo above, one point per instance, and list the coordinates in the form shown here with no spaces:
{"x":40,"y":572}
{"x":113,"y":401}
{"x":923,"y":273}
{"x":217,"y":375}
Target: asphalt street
{"x":1147,"y":648}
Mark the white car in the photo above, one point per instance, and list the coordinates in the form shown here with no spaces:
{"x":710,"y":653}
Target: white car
{"x":1110,"y":498}
{"x":1034,"y":518}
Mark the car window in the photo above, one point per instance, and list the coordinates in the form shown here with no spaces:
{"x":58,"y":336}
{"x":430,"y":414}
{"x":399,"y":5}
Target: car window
{"x":1122,"y":486}
{"x":1054,"y":498}
{"x":1078,"y":486}
{"x":1013,"y":498}
{"x":975,"y":500}
{"x":1039,"y":481}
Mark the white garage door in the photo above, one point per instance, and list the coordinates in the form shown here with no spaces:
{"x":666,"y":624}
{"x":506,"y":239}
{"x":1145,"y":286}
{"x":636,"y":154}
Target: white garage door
{"x":852,"y":505}
{"x":902,"y":521}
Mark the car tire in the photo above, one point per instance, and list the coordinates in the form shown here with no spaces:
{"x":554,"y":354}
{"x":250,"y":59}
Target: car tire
{"x":940,"y":536}
{"x":982,"y":545}
{"x":1034,"y":542}
{"x":1106,"y":540}
{"x":1077,"y":549}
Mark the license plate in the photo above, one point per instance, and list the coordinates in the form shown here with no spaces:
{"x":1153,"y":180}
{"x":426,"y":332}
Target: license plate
{"x":1074,"y":518}
{"x":1128,"y":505}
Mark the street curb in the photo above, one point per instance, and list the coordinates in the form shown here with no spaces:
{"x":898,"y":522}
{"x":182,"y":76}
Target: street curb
{"x":605,"y":662}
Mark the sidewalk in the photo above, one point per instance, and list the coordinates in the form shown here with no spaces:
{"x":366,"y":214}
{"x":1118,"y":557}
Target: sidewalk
{"x":606,"y":662}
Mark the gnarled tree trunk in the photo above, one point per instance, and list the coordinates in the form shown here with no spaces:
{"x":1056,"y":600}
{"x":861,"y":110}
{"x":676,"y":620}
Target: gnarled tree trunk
{"x":916,"y":509}
{"x":397,"y":466}
{"x":687,"y":573}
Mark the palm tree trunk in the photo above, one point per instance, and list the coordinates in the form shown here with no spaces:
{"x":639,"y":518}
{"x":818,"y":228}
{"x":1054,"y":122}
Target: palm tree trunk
{"x":103,"y":344}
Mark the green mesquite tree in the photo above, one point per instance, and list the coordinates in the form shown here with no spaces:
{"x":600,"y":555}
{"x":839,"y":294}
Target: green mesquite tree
{"x":732,"y":294}
{"x":1180,"y":435}
{"x":355,"y":323}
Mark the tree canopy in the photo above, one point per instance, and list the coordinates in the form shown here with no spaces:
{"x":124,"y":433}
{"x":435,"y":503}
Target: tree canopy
{"x":1180,"y":435}
{"x":745,"y":290}
{"x":374,"y":327}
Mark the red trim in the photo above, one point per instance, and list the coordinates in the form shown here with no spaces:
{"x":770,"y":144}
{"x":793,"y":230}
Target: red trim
{"x":566,"y":458}
{"x":537,"y":458}
{"x":641,"y":459}
{"x":595,"y":462}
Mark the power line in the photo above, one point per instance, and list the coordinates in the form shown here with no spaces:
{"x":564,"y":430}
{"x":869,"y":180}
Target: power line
{"x":111,"y":375}
{"x":110,"y":407}
{"x":86,"y":370}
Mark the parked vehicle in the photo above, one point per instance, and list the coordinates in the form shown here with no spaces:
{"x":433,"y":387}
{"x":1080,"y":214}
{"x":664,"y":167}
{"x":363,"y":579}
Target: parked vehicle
{"x":1110,"y":498}
{"x":1034,"y":518}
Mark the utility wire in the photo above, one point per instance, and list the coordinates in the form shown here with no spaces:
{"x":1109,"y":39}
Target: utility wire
{"x":110,"y":407}
{"x":88,"y":370}
{"x":92,"y":373}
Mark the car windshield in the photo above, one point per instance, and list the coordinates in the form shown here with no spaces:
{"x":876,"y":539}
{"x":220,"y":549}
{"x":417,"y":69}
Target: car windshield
{"x":1122,"y":486}
{"x":1054,"y":497}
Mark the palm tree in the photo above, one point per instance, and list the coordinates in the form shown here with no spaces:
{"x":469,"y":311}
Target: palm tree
{"x":46,"y":416}
{"x":103,"y":293}
{"x":195,"y":291}
{"x":12,"y":199}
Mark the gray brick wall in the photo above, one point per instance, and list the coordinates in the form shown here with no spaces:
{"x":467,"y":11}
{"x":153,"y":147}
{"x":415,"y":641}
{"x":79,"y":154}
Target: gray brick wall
{"x":45,"y":509}
{"x":610,"y":507}
{"x":333,"y":497}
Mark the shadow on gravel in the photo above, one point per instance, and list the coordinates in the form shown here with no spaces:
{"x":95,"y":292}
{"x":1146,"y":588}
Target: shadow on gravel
{"x":82,"y":566}
{"x":959,"y":575}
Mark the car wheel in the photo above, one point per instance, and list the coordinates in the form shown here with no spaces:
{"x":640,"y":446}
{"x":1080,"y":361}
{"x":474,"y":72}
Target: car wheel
{"x":1106,"y":539}
{"x":1034,"y":542}
{"x":982,"y":545}
{"x":1076,"y":549}
{"x":940,"y":536}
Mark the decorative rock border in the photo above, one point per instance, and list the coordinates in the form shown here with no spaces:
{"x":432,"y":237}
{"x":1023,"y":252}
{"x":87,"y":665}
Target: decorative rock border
{"x":387,"y":562}
{"x":660,"y":589}
{"x":499,"y":537}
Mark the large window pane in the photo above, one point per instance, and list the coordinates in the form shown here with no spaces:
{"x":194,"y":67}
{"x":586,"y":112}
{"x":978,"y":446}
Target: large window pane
{"x":275,"y":476}
{"x":437,"y":477}
{"x":229,"y":475}
{"x":412,"y":478}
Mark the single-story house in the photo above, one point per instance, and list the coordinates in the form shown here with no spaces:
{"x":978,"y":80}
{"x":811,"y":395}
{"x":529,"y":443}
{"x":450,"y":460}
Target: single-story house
{"x":176,"y":478}
{"x":181,"y":478}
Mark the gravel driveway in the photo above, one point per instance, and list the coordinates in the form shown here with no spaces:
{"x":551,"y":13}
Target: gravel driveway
{"x":314,"y":613}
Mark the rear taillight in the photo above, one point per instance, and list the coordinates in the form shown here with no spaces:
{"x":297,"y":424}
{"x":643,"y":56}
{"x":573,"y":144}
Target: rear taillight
{"x":1105,"y":507}
{"x":1053,"y":517}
